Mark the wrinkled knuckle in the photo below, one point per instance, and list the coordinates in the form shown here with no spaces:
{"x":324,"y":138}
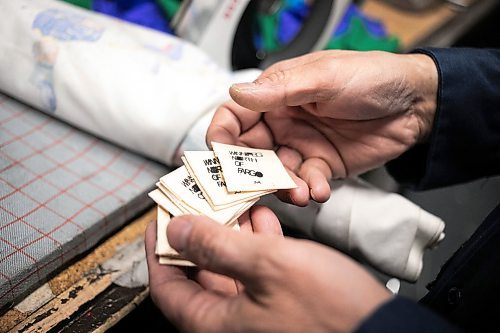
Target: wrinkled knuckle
{"x":277,"y":76}
{"x":322,"y":94}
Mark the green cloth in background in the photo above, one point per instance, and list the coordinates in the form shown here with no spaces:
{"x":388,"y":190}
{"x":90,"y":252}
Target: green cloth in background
{"x":170,"y":7}
{"x":87,"y":4}
{"x":356,"y":34}
{"x":359,"y":38}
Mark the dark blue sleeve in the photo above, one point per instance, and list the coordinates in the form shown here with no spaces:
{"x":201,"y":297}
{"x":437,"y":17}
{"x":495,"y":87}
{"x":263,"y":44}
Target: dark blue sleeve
{"x":465,"y":140}
{"x":402,"y":315}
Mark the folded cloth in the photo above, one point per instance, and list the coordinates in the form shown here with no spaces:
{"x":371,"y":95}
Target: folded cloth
{"x":136,"y":87}
{"x":384,"y":229}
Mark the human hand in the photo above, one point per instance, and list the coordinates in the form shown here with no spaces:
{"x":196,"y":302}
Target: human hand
{"x":285,"y":285}
{"x":332,"y":114}
{"x":256,"y":220}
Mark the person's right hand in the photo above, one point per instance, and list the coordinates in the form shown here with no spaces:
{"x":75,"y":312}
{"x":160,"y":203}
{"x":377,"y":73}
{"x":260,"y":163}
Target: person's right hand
{"x":332,"y":114}
{"x":280,"y":284}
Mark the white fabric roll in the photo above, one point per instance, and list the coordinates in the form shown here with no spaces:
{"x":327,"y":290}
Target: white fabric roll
{"x":136,"y":87}
{"x":384,"y":229}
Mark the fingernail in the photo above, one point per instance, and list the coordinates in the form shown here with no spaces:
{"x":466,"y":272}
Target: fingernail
{"x":178,"y":232}
{"x":313,"y":195}
{"x":240,"y":87}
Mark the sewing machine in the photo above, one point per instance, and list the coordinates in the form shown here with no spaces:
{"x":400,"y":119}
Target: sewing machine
{"x":224,"y":29}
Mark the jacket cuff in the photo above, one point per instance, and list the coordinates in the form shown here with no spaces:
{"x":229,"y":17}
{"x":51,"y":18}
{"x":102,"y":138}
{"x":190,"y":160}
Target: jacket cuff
{"x":463,"y":138}
{"x":402,"y":315}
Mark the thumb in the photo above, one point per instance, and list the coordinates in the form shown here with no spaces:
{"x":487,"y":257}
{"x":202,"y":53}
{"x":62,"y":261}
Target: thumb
{"x":215,"y":247}
{"x":294,"y":86}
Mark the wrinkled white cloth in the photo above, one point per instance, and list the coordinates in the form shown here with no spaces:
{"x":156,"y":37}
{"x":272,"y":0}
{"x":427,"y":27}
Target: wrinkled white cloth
{"x":136,"y":87}
{"x":386,"y":230}
{"x":153,"y":93}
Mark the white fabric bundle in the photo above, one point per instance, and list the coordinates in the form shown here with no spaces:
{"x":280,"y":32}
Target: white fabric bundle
{"x":384,"y":229}
{"x":136,"y":87}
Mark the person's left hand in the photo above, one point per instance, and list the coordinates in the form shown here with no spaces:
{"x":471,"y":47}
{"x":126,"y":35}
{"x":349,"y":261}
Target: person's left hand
{"x":283,"y":285}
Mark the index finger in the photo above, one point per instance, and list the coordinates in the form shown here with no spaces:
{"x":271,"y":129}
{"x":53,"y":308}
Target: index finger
{"x":230,"y":121}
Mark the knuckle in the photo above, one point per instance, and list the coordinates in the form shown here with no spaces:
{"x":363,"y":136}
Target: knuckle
{"x":277,"y":76}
